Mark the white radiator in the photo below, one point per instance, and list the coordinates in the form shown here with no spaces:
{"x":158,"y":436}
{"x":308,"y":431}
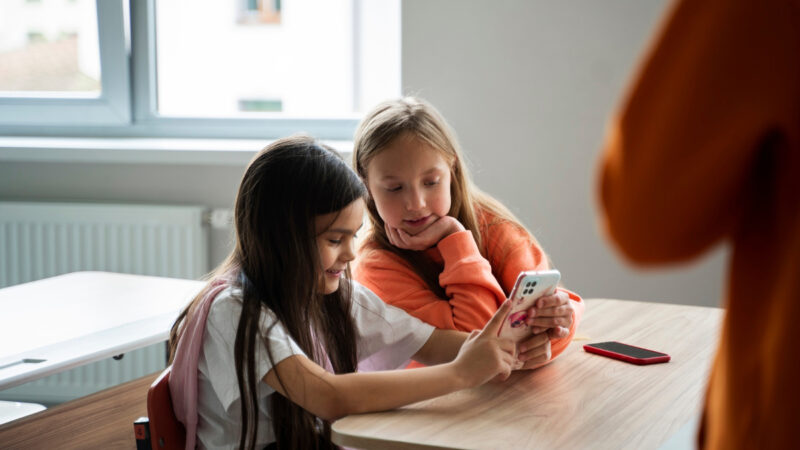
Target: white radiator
{"x":40,"y":240}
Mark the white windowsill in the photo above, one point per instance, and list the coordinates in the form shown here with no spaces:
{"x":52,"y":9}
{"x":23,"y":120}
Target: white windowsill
{"x":235,"y":152}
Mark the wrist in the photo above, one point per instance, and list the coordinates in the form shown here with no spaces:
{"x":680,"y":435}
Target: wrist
{"x":454,"y":226}
{"x":458,"y":375}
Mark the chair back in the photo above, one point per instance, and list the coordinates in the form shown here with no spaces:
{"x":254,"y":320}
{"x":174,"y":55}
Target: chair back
{"x":166,"y":431}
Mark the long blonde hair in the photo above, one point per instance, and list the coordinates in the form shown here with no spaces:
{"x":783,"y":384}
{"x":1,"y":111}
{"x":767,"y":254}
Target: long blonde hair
{"x":388,"y":121}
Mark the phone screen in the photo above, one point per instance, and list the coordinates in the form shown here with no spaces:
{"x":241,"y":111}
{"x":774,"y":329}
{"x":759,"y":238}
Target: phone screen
{"x":635,"y":352}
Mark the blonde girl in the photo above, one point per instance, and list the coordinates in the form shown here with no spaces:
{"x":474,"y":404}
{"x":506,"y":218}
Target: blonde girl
{"x":438,"y":246}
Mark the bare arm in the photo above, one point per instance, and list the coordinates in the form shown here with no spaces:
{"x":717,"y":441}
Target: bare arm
{"x":473,"y":292}
{"x":441,"y":347}
{"x":330,"y":396}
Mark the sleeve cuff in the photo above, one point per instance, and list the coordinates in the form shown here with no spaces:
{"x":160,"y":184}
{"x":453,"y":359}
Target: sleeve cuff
{"x":458,"y":246}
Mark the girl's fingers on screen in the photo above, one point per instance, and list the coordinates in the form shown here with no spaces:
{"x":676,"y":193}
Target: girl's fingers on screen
{"x":492,"y":327}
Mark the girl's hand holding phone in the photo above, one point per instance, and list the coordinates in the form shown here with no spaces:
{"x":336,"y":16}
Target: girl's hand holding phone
{"x":483,"y":356}
{"x":552,"y":313}
{"x":439,"y":229}
{"x":533,"y":351}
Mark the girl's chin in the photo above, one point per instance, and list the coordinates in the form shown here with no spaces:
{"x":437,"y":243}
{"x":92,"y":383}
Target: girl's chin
{"x":331,"y":287}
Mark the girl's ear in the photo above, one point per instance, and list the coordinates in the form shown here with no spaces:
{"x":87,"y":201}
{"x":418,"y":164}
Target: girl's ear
{"x":454,"y":168}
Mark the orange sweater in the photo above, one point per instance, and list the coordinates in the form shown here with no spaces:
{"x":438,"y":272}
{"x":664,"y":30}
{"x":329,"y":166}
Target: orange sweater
{"x":707,"y":149}
{"x":469,"y":280}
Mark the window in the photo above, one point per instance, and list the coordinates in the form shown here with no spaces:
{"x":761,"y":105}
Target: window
{"x":260,"y":11}
{"x":202,"y":68}
{"x":55,"y":61}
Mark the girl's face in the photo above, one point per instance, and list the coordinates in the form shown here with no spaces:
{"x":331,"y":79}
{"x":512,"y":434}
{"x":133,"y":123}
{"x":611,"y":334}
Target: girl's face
{"x":409,"y":180}
{"x":336,"y":235}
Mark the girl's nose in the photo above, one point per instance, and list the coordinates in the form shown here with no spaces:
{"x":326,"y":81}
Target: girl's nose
{"x":415,"y":200}
{"x":349,"y":252}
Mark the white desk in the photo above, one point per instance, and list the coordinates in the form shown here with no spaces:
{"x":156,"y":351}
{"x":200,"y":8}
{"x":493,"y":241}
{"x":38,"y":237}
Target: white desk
{"x":10,"y":411}
{"x":51,"y":325}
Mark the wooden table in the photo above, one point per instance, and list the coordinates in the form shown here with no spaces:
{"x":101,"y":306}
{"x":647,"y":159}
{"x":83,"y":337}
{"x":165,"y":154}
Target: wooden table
{"x":58,"y":323}
{"x":578,"y":401}
{"x":103,"y":420}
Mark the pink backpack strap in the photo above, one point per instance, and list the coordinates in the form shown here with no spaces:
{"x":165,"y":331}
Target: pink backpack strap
{"x":183,"y":379}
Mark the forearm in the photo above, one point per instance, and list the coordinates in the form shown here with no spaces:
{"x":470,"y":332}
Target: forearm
{"x":472,"y":290}
{"x":441,"y":347}
{"x":331,"y":396}
{"x":379,"y":391}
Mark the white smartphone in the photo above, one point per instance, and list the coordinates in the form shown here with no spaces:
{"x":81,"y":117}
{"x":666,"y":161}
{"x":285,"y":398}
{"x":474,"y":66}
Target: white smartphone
{"x":529,"y":287}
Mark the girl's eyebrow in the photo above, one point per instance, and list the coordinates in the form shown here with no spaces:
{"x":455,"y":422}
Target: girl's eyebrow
{"x":344,"y":230}
{"x":429,"y":171}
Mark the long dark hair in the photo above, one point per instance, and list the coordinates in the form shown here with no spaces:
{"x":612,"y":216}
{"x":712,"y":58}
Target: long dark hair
{"x":276,"y":264}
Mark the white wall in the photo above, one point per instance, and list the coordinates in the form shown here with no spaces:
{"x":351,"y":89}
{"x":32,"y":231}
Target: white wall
{"x":529,"y":87}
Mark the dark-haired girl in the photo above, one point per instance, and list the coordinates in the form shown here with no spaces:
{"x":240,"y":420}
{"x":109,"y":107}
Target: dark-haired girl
{"x":281,"y":342}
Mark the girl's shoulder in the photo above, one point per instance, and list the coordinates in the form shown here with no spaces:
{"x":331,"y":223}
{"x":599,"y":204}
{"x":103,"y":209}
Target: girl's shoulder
{"x":365,"y":298}
{"x":226,"y":309}
{"x":493,"y":224}
{"x":362,"y":295}
{"x":230,"y":296}
{"x":503,"y":235}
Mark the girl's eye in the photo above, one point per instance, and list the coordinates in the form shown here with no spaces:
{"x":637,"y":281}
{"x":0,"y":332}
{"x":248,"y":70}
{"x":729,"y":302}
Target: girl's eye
{"x":335,"y":241}
{"x":393,"y":189}
{"x":432,"y":183}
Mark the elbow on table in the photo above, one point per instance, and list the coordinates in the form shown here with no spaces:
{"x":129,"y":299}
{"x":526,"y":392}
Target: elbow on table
{"x":333,"y":407}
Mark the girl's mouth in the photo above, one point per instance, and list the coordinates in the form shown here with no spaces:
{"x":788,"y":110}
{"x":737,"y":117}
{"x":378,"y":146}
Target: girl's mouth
{"x":334,"y":273}
{"x":418,"y":222}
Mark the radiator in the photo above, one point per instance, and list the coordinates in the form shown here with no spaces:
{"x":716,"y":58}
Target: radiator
{"x":40,"y":240}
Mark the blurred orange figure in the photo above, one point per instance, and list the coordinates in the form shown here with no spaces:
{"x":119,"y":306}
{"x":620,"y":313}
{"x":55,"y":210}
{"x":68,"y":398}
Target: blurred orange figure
{"x":706,"y":149}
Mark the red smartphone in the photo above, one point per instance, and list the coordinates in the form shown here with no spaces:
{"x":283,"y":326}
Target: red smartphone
{"x":627,"y":353}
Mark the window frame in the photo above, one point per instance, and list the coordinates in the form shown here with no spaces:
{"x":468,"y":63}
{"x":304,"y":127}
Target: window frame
{"x":127,"y":106}
{"x":111,"y":107}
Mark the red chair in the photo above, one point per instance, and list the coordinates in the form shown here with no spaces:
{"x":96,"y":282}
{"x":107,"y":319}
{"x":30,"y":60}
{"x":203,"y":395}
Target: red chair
{"x":166,"y":432}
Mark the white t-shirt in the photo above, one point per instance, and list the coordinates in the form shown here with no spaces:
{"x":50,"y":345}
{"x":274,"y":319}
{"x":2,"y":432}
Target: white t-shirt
{"x":386,"y":337}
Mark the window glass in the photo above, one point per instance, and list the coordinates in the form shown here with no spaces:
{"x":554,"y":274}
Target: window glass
{"x":299,"y":58}
{"x":49,"y":47}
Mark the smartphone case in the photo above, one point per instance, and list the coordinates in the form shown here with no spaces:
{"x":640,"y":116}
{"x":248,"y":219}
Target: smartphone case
{"x":662,"y":358}
{"x":530,"y":285}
